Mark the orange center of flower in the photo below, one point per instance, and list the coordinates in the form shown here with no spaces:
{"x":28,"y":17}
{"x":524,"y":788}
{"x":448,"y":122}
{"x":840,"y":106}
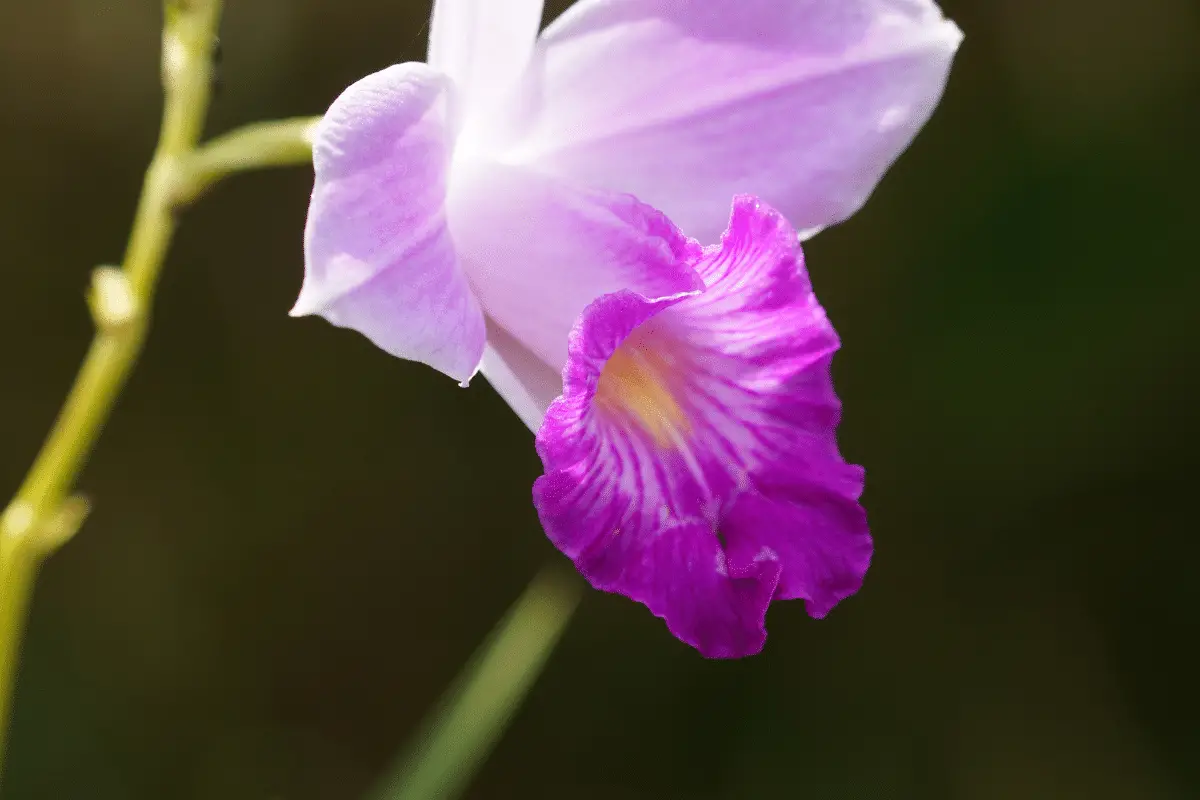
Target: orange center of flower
{"x":634,"y":385}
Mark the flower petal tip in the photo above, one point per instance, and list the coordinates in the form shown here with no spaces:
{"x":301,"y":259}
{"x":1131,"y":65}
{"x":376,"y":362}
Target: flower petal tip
{"x":305,"y":306}
{"x":465,"y":383}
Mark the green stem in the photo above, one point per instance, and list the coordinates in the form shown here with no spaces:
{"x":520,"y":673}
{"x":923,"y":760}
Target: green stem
{"x":457,"y":738}
{"x":120,"y":302}
{"x":41,"y":516}
{"x":263,"y":144}
{"x":21,"y":550}
{"x":18,"y":568}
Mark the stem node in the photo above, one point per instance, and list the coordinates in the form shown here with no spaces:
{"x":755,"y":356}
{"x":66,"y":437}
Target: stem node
{"x":114,"y":305}
{"x":17,"y":521}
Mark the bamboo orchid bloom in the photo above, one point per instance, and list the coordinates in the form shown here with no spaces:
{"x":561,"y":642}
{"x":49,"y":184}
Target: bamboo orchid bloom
{"x":466,"y":210}
{"x":529,"y":207}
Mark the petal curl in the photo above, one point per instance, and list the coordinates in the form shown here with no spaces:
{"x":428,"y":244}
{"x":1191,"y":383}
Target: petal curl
{"x":825,"y":565}
{"x":378,"y":256}
{"x":686,"y":103}
{"x":709,"y":416}
{"x":483,"y":45}
{"x":538,"y":250}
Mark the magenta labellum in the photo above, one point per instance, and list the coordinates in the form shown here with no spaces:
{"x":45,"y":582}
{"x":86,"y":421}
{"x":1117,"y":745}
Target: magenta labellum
{"x":691,"y":461}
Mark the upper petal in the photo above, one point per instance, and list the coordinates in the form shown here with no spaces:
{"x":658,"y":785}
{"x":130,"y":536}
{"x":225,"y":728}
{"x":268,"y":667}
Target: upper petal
{"x":378,"y":256}
{"x":538,"y":250}
{"x":483,"y":45}
{"x":686,"y":103}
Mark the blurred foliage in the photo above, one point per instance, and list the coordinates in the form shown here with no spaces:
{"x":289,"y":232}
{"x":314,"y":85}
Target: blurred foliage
{"x":298,"y":540}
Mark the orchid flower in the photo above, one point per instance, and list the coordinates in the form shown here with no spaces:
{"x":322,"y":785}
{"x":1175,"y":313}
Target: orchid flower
{"x":529,"y":207}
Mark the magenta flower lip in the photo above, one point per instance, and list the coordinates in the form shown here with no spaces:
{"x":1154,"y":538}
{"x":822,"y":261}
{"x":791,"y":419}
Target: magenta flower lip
{"x":691,"y":461}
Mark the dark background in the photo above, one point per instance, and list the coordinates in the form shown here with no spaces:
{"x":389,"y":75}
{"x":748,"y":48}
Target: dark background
{"x":298,"y":540}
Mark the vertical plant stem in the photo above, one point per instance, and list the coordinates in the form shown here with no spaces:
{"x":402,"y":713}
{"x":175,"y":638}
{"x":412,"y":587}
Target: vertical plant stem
{"x":458,"y":736}
{"x":32,"y":526}
{"x":17,"y":572}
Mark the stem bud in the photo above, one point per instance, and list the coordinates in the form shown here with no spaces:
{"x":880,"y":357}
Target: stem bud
{"x":112,"y":300}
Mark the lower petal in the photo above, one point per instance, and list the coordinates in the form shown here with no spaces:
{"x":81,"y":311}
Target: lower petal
{"x":681,"y":574}
{"x":528,"y":384}
{"x":824,"y":565}
{"x":633,"y":517}
{"x":693,"y":448}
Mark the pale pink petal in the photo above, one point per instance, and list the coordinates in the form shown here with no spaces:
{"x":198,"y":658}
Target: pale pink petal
{"x":528,"y":384}
{"x":378,"y":256}
{"x":483,"y":45}
{"x":686,"y":103}
{"x":537,"y":251}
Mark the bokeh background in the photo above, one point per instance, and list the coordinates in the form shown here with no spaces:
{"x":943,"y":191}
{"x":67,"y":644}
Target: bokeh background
{"x":298,"y":540}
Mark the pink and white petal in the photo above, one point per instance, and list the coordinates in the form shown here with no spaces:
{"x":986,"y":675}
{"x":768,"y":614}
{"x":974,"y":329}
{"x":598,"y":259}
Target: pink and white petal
{"x":527,"y":384}
{"x":484,"y":46}
{"x":378,"y":257}
{"x":633,"y":516}
{"x":686,"y":103}
{"x":537,"y":250}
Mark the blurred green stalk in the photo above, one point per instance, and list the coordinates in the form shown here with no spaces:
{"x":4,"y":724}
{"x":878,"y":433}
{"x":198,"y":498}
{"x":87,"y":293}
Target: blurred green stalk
{"x":457,"y":737}
{"x":280,"y":143}
{"x":42,"y":515}
{"x":22,"y":548}
{"x":17,"y":571}
{"x":119,"y":301}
